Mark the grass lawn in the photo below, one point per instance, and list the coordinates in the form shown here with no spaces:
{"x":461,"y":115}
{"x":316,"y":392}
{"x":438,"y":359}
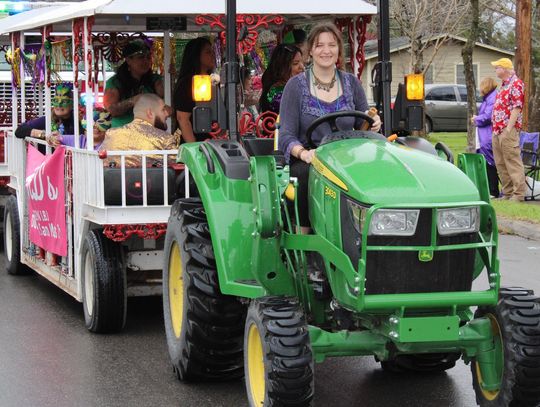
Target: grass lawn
{"x":518,"y":210}
{"x":457,"y":142}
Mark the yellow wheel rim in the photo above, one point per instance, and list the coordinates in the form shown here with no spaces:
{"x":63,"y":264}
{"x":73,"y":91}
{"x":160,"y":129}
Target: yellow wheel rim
{"x":176,"y":289}
{"x":491,"y":395}
{"x":255,"y":359}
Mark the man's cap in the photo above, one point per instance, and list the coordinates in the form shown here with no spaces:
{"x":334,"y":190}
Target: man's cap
{"x":503,"y":63}
{"x":137,"y":47}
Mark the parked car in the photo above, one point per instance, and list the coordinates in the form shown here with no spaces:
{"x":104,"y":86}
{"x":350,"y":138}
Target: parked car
{"x":446,"y":107}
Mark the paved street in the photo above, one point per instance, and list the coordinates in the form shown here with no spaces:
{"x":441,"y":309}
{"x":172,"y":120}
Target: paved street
{"x":47,"y":358}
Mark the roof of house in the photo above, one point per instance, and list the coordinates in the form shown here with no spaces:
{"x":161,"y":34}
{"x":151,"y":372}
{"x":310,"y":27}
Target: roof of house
{"x":401,"y":43}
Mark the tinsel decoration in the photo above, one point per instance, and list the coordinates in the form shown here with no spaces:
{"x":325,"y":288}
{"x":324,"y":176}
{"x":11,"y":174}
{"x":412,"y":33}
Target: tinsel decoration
{"x":158,"y":56}
{"x":16,"y":68}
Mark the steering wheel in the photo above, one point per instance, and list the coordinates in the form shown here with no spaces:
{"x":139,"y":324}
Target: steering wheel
{"x":331,"y":120}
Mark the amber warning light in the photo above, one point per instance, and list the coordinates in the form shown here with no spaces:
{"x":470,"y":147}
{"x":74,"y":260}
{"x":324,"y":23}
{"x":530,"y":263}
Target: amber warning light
{"x":202,"y":88}
{"x":415,"y":86}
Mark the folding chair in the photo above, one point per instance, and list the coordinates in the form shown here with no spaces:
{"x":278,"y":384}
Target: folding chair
{"x":530,"y":151}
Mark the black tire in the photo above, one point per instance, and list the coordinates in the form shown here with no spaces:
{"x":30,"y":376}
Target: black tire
{"x":204,"y":327}
{"x":421,"y":363}
{"x":428,"y":125}
{"x":12,"y":238}
{"x":278,"y":359}
{"x":103,"y":284}
{"x":517,"y":319}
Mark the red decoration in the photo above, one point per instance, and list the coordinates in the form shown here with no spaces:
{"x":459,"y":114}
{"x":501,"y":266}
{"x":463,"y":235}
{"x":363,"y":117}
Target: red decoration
{"x":78,"y":33}
{"x":89,"y":59}
{"x":348,"y":23}
{"x":361,"y":29}
{"x":120,"y":233}
{"x":251,"y":21}
{"x":263,"y":126}
{"x":217,"y":133}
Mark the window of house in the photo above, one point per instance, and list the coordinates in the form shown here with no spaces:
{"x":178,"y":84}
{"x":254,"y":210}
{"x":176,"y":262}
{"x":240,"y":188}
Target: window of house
{"x":460,"y":74}
{"x":445,"y":93}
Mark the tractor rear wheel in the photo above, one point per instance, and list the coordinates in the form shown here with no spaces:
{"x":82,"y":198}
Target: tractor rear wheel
{"x":421,"y":363}
{"x":278,"y":358}
{"x":515,"y":322}
{"x":204,"y":328}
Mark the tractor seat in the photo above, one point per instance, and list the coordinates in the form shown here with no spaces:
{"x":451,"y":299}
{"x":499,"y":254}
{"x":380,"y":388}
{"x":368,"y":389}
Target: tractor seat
{"x":258,"y":146}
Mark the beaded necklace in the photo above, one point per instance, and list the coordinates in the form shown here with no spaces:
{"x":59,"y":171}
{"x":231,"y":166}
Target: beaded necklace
{"x":338,"y":80}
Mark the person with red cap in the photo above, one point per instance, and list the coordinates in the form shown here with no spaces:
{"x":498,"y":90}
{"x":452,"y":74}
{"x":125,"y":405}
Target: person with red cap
{"x":507,"y":123}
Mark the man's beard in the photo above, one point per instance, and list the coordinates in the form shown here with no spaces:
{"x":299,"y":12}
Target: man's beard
{"x":160,"y":124}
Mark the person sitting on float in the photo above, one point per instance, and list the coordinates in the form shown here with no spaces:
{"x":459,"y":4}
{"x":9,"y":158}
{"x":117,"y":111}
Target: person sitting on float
{"x":133,"y":78}
{"x":102,"y":123}
{"x":147,"y":131}
{"x":61,"y":121}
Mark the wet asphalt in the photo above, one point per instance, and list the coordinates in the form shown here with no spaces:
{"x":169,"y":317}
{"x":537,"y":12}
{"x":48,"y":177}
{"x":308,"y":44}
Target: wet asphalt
{"x":48,"y":358}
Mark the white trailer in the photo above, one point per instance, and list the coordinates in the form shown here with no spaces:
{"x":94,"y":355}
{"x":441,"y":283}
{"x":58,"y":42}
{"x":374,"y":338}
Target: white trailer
{"x":115,"y":243}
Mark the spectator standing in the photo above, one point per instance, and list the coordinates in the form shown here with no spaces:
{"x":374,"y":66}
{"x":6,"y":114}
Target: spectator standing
{"x":285,"y":62}
{"x":133,"y":77}
{"x":198,"y":59}
{"x":507,"y":122}
{"x":488,"y":90}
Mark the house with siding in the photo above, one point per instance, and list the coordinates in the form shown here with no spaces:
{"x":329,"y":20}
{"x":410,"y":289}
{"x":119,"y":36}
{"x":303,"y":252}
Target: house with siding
{"x":447,"y":65}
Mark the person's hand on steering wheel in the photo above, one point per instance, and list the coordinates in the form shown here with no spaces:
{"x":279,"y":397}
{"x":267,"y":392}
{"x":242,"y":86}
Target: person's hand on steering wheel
{"x":307,"y":155}
{"x":377,"y":123}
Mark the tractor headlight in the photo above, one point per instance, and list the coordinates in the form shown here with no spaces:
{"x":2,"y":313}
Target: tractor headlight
{"x":453,"y":221}
{"x":358,"y":215}
{"x":394,"y":222}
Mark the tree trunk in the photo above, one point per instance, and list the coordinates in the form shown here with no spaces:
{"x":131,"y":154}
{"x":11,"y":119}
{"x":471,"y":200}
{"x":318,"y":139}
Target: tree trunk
{"x":523,"y":52}
{"x":467,"y":55}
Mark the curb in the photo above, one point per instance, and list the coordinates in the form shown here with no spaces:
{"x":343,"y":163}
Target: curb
{"x":520,"y":228}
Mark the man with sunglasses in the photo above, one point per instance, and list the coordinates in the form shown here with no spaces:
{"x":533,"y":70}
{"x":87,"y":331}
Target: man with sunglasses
{"x":133,"y":78}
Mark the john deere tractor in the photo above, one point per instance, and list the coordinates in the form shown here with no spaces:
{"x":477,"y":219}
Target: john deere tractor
{"x":398,"y":237}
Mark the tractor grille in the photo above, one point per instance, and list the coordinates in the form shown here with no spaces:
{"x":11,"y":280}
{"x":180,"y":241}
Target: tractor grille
{"x":396,"y":272}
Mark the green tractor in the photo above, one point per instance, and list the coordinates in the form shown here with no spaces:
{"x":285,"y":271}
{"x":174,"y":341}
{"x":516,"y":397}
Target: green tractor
{"x":399,"y":236}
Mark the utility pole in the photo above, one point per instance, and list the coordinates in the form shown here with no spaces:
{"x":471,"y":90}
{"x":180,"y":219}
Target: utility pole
{"x":523,"y":52}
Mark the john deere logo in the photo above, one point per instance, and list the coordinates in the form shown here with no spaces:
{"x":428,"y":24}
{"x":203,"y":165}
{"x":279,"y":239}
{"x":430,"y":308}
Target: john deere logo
{"x":425,"y":255}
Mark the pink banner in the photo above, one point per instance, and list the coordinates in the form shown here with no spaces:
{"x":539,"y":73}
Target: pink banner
{"x":46,"y":203}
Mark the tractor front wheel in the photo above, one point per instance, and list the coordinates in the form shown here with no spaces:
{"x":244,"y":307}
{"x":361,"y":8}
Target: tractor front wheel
{"x":515,"y":322}
{"x":204,"y":328}
{"x":278,"y":360}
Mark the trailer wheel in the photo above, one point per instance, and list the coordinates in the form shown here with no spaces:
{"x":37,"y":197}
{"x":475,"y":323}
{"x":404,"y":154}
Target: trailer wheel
{"x":12,"y":238}
{"x":278,"y":358}
{"x":204,"y":328}
{"x":421,"y":363}
{"x":103,"y":283}
{"x":515,"y":322}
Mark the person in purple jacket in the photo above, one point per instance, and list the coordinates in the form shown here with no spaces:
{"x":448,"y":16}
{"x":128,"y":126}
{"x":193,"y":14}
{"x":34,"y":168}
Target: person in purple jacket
{"x":482,"y":121}
{"x":320,"y":90}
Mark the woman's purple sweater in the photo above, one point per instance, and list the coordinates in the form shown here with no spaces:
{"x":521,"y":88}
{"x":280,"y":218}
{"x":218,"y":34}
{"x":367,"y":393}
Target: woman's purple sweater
{"x":299,"y":108}
{"x":483,"y":124}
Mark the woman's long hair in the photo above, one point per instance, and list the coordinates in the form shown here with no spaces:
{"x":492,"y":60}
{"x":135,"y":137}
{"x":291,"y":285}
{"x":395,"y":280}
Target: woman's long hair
{"x":191,"y":60}
{"x":279,"y":68}
{"x":129,"y":86}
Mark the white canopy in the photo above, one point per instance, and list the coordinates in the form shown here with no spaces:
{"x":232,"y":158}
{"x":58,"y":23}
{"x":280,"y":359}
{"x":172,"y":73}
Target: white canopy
{"x":55,"y":14}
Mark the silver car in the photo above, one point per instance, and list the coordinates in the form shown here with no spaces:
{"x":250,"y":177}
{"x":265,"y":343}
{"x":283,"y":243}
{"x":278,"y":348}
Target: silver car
{"x":446,"y":107}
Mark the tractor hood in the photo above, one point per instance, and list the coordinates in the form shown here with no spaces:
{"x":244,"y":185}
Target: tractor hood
{"x":375,"y":171}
